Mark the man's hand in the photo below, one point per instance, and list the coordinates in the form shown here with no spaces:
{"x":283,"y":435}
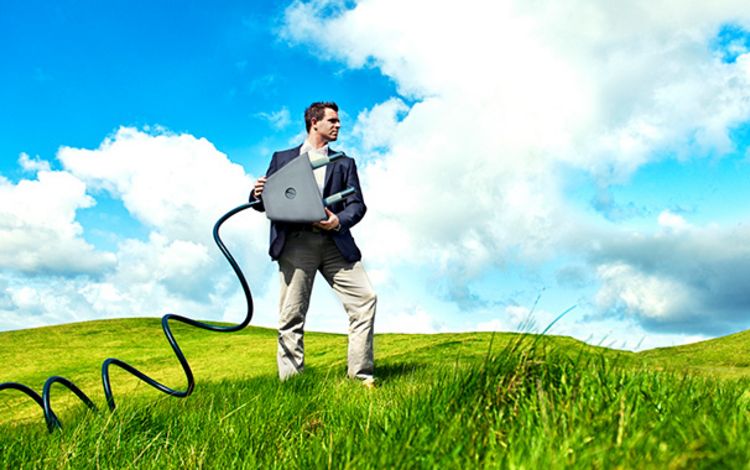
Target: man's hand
{"x":331,"y":223}
{"x":258,"y":188}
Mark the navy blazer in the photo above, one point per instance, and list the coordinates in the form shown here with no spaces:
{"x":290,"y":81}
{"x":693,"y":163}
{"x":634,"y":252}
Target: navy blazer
{"x":340,"y":174}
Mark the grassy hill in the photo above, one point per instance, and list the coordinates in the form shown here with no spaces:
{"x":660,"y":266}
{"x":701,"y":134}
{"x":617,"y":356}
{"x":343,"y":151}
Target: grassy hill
{"x":726,"y":357}
{"x":451,"y":400}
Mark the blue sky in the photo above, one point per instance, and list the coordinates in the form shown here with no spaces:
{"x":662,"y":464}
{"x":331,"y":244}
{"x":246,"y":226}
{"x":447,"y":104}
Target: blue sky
{"x":507,"y":156}
{"x":78,"y":70}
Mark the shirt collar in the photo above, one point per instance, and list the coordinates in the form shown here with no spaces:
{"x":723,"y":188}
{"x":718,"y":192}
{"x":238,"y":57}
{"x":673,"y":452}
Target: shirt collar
{"x":307,"y":146}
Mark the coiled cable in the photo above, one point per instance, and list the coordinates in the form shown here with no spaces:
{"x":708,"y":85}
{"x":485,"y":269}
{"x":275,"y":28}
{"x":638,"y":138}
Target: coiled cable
{"x":44,"y":400}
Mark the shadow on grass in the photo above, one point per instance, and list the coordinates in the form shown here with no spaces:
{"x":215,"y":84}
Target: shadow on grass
{"x":392,"y":371}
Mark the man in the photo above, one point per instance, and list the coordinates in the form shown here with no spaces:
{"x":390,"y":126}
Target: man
{"x":326,"y":246}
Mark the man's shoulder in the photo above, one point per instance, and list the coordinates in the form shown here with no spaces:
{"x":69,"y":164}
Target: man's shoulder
{"x":294,"y":151}
{"x":344,"y":158}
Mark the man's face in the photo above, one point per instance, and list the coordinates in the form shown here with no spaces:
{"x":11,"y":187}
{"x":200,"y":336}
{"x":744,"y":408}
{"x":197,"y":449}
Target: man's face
{"x":328,"y":127}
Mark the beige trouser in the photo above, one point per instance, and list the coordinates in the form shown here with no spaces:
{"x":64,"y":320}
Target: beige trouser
{"x":304,"y":254}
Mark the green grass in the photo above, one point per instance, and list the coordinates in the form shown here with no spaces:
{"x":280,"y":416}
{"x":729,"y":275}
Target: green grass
{"x":727,"y":357}
{"x":449,"y":400}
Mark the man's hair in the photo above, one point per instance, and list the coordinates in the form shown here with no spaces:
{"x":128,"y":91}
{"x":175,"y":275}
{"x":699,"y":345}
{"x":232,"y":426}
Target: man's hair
{"x":316,"y":111}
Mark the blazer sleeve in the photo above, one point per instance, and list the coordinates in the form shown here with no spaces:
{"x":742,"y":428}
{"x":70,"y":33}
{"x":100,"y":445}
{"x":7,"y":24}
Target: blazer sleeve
{"x":354,"y":205}
{"x":272,"y":167}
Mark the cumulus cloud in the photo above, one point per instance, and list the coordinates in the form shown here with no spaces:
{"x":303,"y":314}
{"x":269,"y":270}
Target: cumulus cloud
{"x":515,"y":317}
{"x":652,"y":297}
{"x":509,"y":96}
{"x":177,"y":186}
{"x":688,"y":280}
{"x":375,"y":128}
{"x":277,"y":119}
{"x":175,"y":183}
{"x":38,"y":224}
{"x":414,"y":319}
{"x":32,"y":164}
{"x":672,"y":221}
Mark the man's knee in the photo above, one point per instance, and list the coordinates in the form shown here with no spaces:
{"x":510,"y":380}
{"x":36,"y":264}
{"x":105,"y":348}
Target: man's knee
{"x":368,"y":300}
{"x":371,"y":297}
{"x":292,"y":321}
{"x":366,"y":307}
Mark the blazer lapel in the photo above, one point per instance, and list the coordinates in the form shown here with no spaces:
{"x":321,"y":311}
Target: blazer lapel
{"x":329,"y":173}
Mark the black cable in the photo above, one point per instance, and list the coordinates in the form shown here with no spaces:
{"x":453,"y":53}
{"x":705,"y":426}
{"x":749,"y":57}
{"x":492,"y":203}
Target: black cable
{"x":44,"y":400}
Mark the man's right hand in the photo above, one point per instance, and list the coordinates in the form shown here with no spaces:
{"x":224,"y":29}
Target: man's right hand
{"x":259,"y":185}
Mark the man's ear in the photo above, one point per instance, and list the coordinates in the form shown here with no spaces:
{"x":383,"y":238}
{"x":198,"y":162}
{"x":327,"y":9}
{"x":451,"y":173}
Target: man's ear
{"x":313,"y":122}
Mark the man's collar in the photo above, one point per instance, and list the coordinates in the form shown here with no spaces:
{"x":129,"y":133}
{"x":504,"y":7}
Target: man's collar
{"x":307,"y":146}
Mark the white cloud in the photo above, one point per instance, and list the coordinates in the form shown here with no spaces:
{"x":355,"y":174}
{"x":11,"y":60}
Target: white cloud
{"x":375,"y":128}
{"x":492,"y":325}
{"x":671,"y":221}
{"x":508,"y":96}
{"x":32,"y":164}
{"x":513,"y":93}
{"x":38,"y":225}
{"x":39,"y":300}
{"x":687,"y":280}
{"x":278,"y":119}
{"x":414,"y":320}
{"x":652,"y":297}
{"x":514,"y":317}
{"x":181,"y":266}
{"x":177,"y":186}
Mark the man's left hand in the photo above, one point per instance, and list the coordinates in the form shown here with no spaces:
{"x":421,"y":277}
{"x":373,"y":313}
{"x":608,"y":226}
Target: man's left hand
{"x":331,"y":223}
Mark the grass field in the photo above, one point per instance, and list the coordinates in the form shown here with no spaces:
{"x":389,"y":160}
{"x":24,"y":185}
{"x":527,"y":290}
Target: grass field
{"x":449,"y":400}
